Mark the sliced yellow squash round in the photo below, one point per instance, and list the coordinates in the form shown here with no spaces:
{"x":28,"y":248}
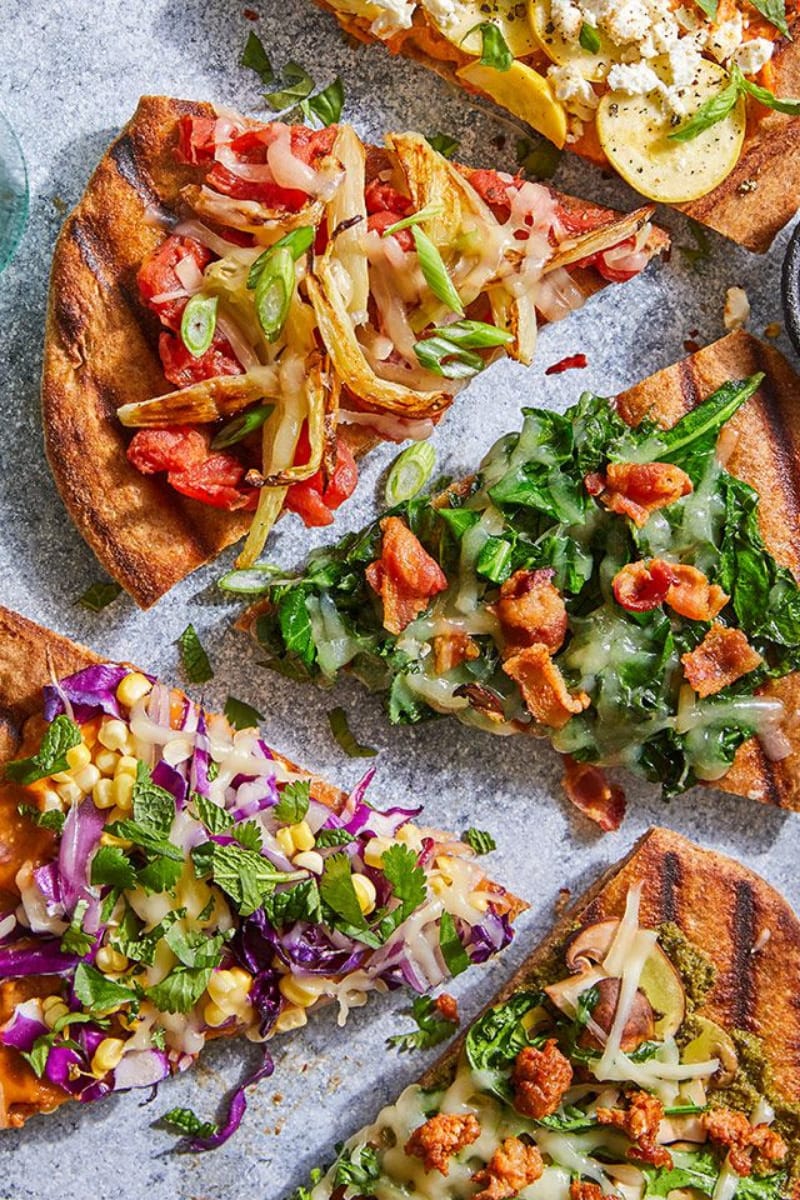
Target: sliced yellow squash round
{"x":523,"y":92}
{"x":592,"y":66}
{"x":456,"y":20}
{"x":634,"y":133}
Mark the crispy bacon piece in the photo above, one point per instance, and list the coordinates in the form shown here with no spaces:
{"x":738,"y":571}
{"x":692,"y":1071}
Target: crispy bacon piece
{"x":543,"y":688}
{"x":531,"y":609}
{"x":441,"y":1137}
{"x":723,"y":656}
{"x":692,"y":596}
{"x":637,"y":490}
{"x":447,"y":1007}
{"x":539,"y":1079}
{"x":641,"y":586}
{"x":640,"y":1121}
{"x":750,"y":1147}
{"x":452,"y":649}
{"x":405,"y":576}
{"x":511,"y":1168}
{"x":589,"y":790}
{"x":580,"y":1189}
{"x":483,"y":700}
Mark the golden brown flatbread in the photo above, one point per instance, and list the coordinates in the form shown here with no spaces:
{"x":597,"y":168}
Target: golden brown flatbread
{"x":101,"y":351}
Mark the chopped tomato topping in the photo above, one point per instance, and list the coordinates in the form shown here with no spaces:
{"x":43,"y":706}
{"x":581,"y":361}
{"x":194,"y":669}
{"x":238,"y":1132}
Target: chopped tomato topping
{"x":571,"y":363}
{"x":691,"y":595}
{"x":157,"y":276}
{"x":640,"y":586}
{"x":636,"y":490}
{"x":183,"y":369}
{"x":513,"y":1166}
{"x":723,"y":656}
{"x":494,"y":191}
{"x":217,"y":482}
{"x":615,"y":274}
{"x":543,"y":687}
{"x":589,"y":790}
{"x":382,"y":220}
{"x":382,"y":197}
{"x":405,"y":576}
{"x":531,"y":610}
{"x":176,"y":449}
{"x":314,"y":502}
{"x":251,"y":148}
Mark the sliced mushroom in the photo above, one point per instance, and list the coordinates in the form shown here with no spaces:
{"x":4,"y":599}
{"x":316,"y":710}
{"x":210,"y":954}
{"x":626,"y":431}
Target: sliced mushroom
{"x":713,"y":1042}
{"x":639,"y":1027}
{"x":591,"y":944}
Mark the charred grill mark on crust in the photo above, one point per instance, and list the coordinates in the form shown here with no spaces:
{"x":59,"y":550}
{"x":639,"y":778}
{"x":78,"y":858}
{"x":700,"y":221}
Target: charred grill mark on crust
{"x":91,"y":251}
{"x":123,"y":153}
{"x":671,"y":879}
{"x":743,"y":936}
{"x":689,"y":394}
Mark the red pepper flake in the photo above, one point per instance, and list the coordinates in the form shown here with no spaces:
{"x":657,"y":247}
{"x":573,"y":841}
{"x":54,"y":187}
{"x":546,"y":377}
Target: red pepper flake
{"x":250,"y":14}
{"x":691,"y":346}
{"x":570,"y":363}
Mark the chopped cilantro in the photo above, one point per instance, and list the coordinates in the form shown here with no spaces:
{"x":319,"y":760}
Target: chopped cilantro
{"x":293,"y":804}
{"x":432,"y":1027}
{"x":51,"y":757}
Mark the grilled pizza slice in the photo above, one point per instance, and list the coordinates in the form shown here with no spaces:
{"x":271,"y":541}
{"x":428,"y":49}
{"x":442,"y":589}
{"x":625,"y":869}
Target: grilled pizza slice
{"x":646,"y":1048}
{"x":166,"y":878}
{"x":620,"y":579}
{"x":239,"y":309}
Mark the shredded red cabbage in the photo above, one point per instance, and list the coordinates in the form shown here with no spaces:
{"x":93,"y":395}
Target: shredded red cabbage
{"x":237,"y":1106}
{"x":88,"y":693}
{"x":45,"y":958}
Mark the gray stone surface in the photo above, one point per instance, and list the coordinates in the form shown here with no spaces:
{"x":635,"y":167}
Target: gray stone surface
{"x":70,"y":74}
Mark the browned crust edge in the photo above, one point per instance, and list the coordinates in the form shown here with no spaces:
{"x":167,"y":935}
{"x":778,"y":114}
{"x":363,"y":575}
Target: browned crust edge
{"x":101,"y":351}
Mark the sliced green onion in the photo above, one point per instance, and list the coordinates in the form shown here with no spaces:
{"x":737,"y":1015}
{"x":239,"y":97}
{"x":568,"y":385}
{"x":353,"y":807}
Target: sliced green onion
{"x":233,"y":431}
{"x":409,"y":473}
{"x":198,"y":323}
{"x":435,"y":272}
{"x":474,"y":335}
{"x":449,"y":350}
{"x":298,"y":242}
{"x":274,"y":291}
{"x":250,"y":581}
{"x":432,"y":210}
{"x":341,"y":731}
{"x":495,"y":52}
{"x":589,"y":38}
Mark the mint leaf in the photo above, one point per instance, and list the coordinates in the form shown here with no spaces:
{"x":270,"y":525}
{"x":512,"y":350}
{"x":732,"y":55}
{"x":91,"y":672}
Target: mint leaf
{"x":51,"y":757}
{"x":244,"y":875}
{"x":153,"y":806}
{"x":98,"y":994}
{"x":53,"y":819}
{"x":241,"y":715}
{"x":99,"y":595}
{"x":144,"y":836}
{"x":298,"y":903}
{"x":215,"y":818}
{"x":183,"y":1120}
{"x":451,"y":946}
{"x":432,"y":1027}
{"x":194,"y":660}
{"x":337,"y":891}
{"x":480,"y":841}
{"x":293,"y":804}
{"x":111,"y":866}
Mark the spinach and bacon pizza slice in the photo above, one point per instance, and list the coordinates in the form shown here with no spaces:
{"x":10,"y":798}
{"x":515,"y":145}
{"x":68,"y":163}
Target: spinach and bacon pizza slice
{"x":648,"y":1047}
{"x":166,"y":878}
{"x":239,"y":309}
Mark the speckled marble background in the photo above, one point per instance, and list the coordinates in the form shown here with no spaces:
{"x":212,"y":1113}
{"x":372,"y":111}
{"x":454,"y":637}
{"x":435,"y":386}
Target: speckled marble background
{"x":70,"y":74}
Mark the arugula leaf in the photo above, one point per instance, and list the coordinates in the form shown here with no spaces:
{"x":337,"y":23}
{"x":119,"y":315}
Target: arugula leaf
{"x":74,"y":940}
{"x":452,"y":948}
{"x":98,"y":994}
{"x":333,"y":837}
{"x":298,"y":903}
{"x":327,"y":105}
{"x":51,"y":757}
{"x":52,"y":818}
{"x":432,"y":1028}
{"x":344,"y":736}
{"x":337,"y":891}
{"x":357,"y":1167}
{"x":110,"y":865}
{"x":494,"y":48}
{"x":443,"y":143}
{"x":294,"y":802}
{"x":153,"y":806}
{"x":775,"y":13}
{"x":215,"y":818}
{"x":495,"y":1039}
{"x":99,"y":595}
{"x":183,"y":1120}
{"x":194,"y":660}
{"x":244,"y":875}
{"x":480,"y":841}
{"x":241,"y":715}
{"x":690,"y":1169}
{"x":179,"y":991}
{"x":160,"y":875}
{"x":255,"y":57}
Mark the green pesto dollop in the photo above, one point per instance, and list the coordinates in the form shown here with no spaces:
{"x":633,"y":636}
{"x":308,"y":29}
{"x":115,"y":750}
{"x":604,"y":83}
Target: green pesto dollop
{"x":695,"y":968}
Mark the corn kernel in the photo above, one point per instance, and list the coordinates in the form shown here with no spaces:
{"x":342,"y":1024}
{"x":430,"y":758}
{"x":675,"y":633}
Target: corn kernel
{"x":375,"y":849}
{"x":126,"y":765}
{"x":107,"y":1056}
{"x":296,"y":992}
{"x":106,"y":761}
{"x":285,"y":841}
{"x":438,"y":885}
{"x":79,"y":756}
{"x":122,"y":791}
{"x":221,"y":985}
{"x":70,"y":793}
{"x":479,"y":900}
{"x":302,"y":836}
{"x":310,"y":860}
{"x":215,"y":1016}
{"x":365,"y":893}
{"x":53,"y":1009}
{"x":291,"y":1018}
{"x":242,"y":978}
{"x":110,"y":959}
{"x":410,"y":836}
{"x":132,"y":688}
{"x":114,"y":735}
{"x":51,"y":801}
{"x":101,"y":793}
{"x":87,"y":777}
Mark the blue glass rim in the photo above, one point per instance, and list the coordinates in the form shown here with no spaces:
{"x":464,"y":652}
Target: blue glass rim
{"x":14,"y":193}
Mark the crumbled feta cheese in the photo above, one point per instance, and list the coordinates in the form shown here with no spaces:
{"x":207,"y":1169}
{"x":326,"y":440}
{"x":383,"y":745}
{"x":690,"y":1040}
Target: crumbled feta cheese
{"x":751,"y":56}
{"x":395,"y":15}
{"x":684,"y":61}
{"x":634,"y":79}
{"x":567,"y":19}
{"x":575,"y":130}
{"x":737,"y":309}
{"x":725,"y":38}
{"x":688,"y":20}
{"x":575,"y":93}
{"x":442,"y":11}
{"x":626,"y":21}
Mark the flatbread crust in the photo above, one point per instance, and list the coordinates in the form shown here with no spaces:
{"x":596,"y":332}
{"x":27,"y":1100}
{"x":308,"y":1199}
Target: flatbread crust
{"x":762,"y":192}
{"x":101,"y":351}
{"x":743,"y":925}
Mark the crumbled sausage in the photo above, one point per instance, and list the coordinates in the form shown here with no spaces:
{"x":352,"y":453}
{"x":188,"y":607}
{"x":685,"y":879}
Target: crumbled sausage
{"x":723,"y":656}
{"x":580,"y":1189}
{"x":543,"y":687}
{"x":539,"y":1079}
{"x":511,"y":1168}
{"x":447,"y":1007}
{"x":640,"y":1121}
{"x":530,"y":609}
{"x":405,"y":576}
{"x":636,"y":490}
{"x":441,"y":1137}
{"x":589,"y":790}
{"x":750,"y":1147}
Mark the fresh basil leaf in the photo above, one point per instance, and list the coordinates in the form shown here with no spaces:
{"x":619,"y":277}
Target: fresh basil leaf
{"x":51,"y":757}
{"x":443,"y":144}
{"x":455,"y":956}
{"x":179,"y":991}
{"x":709,"y":7}
{"x":494,"y":48}
{"x":111,"y":866}
{"x":589,"y":38}
{"x":432,"y":1028}
{"x":710,"y":112}
{"x":327,"y":104}
{"x":153,"y":806}
{"x":294,"y":802}
{"x":194,"y":660}
{"x":255,"y":57}
{"x":480,"y":841}
{"x":296,"y":84}
{"x":242,"y":715}
{"x":52,"y":818}
{"x":340,"y":729}
{"x":765,"y":96}
{"x":99,"y":595}
{"x":775,"y":13}
{"x":99,"y":994}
